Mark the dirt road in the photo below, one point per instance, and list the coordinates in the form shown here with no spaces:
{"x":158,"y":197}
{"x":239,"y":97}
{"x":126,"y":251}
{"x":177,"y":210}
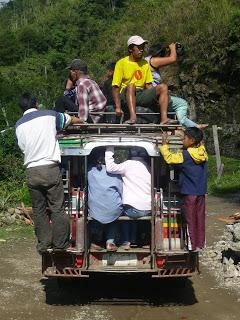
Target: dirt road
{"x":25,"y":295}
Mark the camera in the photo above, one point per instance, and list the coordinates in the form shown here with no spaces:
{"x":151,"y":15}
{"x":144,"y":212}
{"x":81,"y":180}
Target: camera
{"x":179,"y":49}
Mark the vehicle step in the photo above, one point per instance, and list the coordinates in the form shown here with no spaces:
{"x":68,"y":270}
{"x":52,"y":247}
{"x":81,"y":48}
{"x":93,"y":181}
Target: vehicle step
{"x":119,"y":250}
{"x":122,"y":269}
{"x":126,"y":218}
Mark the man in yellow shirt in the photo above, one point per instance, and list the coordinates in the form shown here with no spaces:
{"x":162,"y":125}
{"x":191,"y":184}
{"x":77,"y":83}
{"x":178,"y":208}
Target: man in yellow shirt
{"x":132,"y":83}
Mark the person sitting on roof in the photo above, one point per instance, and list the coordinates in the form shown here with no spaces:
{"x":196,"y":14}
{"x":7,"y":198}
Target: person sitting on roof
{"x":132,"y":83}
{"x":107,"y":84}
{"x":104,"y":197}
{"x":89,"y":97}
{"x":158,"y":57}
{"x":136,"y":177}
{"x":68,"y":102}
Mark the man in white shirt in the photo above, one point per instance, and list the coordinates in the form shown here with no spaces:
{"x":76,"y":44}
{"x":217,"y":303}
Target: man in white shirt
{"x":136,"y":178}
{"x":36,"y":134}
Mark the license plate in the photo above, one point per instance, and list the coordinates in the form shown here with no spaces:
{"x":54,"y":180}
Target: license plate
{"x":119,"y":260}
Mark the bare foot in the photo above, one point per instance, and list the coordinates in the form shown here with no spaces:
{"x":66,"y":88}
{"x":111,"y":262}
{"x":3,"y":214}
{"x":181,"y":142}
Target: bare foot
{"x":168,"y":121}
{"x":201,"y":126}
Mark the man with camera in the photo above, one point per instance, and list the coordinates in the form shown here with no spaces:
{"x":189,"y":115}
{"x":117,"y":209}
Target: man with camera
{"x":132,"y":83}
{"x":158,"y":57}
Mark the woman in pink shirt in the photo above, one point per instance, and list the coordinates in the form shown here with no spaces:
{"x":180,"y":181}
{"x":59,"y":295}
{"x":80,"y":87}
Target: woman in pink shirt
{"x":136,"y":178}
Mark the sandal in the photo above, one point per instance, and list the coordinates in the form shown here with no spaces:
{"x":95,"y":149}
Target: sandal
{"x":169,"y":121}
{"x":111,"y":247}
{"x":130,"y":121}
{"x":126,"y":246}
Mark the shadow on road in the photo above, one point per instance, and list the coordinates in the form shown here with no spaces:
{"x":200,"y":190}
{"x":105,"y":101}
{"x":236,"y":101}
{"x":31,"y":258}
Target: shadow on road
{"x":127,"y":290}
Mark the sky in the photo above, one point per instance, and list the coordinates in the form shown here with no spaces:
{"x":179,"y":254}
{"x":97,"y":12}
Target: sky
{"x":3,"y":1}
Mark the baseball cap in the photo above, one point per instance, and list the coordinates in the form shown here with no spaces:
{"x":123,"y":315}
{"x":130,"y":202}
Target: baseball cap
{"x":78,"y":64}
{"x":137,"y":40}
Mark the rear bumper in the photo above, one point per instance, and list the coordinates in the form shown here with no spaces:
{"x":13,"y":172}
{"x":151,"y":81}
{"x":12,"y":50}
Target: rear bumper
{"x":66,"y":265}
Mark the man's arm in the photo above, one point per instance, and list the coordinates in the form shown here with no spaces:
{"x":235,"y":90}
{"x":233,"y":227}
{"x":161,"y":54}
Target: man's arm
{"x":111,"y":166}
{"x":82,"y":98}
{"x":63,"y":120}
{"x":117,"y":100}
{"x":116,"y":85}
{"x":76,"y":120}
{"x":158,"y":62}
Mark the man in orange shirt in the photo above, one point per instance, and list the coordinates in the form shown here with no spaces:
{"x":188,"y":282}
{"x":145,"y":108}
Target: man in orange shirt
{"x":132,"y":83}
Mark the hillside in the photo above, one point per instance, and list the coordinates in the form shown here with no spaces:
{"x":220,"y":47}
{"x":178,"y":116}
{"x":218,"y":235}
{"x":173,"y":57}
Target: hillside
{"x":38,"y":39}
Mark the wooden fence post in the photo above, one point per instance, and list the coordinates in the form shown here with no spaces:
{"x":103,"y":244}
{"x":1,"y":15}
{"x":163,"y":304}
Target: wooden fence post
{"x":219,"y":163}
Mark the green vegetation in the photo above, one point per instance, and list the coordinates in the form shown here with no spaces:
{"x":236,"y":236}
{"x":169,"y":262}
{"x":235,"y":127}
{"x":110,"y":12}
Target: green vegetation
{"x":18,"y":232}
{"x":229,"y":182}
{"x":38,"y":39}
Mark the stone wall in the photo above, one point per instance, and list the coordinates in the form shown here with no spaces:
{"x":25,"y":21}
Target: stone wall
{"x":224,"y":257}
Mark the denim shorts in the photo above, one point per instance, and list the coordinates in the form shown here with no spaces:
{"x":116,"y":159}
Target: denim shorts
{"x":135,"y":213}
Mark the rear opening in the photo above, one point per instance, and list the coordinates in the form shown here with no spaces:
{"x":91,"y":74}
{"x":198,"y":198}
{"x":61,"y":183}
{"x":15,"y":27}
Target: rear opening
{"x":161,"y":245}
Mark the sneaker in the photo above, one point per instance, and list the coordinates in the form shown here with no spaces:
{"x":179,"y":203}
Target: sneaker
{"x":146,"y":246}
{"x":111,"y":247}
{"x":197,"y":250}
{"x":126,"y":246}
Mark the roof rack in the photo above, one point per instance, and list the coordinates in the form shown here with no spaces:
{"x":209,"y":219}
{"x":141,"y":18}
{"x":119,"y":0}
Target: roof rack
{"x":102,"y":128}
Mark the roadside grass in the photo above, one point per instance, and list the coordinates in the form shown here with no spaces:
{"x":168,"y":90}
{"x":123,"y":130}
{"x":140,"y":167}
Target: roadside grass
{"x":230,"y":180}
{"x":15,"y":232}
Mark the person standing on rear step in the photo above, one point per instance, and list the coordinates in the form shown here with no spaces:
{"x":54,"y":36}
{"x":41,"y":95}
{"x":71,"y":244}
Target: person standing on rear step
{"x":192,"y":166}
{"x":136,"y":178}
{"x":132,"y":84}
{"x":36,"y":134}
{"x":104,"y":200}
{"x":107,"y":84}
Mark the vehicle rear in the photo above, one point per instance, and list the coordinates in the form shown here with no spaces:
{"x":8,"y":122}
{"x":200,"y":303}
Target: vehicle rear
{"x":164,"y":232}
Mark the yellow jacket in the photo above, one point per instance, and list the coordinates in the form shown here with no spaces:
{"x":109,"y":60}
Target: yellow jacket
{"x":198,"y":154}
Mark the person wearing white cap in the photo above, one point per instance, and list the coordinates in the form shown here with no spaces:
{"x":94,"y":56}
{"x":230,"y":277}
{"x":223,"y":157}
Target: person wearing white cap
{"x":132,"y":83}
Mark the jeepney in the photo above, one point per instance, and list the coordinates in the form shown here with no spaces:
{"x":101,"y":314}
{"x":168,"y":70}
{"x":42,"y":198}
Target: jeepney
{"x":167,"y":255}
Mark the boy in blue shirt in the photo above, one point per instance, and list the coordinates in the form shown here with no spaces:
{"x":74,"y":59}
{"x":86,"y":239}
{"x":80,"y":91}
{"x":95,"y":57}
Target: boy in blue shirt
{"x":192,"y":165}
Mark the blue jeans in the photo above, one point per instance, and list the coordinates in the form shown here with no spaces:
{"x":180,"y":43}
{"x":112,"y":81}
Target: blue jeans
{"x":110,"y":230}
{"x":129,"y":228}
{"x":180,"y":106}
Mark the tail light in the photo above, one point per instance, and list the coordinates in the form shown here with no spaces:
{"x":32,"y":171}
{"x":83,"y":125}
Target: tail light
{"x":160,"y":262}
{"x":79,"y":261}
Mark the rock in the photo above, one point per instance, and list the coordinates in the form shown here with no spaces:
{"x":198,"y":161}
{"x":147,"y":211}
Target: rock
{"x":18,"y":211}
{"x":236,"y":232}
{"x":11,"y":210}
{"x":9,"y":219}
{"x":184,"y":77}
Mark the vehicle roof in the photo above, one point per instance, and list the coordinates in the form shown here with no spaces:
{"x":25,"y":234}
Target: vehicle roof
{"x":81,"y":140}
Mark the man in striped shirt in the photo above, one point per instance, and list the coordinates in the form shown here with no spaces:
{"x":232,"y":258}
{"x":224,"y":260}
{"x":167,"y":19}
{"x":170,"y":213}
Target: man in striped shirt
{"x":36,"y":134}
{"x":89,"y":97}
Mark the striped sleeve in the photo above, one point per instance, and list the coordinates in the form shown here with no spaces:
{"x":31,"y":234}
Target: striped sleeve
{"x":62,"y":120}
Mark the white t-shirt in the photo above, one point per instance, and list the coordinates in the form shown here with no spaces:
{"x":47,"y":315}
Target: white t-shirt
{"x":36,"y":134}
{"x":136,"y":180}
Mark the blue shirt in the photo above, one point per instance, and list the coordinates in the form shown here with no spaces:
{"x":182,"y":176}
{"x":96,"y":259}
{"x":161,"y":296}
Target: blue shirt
{"x":192,"y":176}
{"x":104,"y":195}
